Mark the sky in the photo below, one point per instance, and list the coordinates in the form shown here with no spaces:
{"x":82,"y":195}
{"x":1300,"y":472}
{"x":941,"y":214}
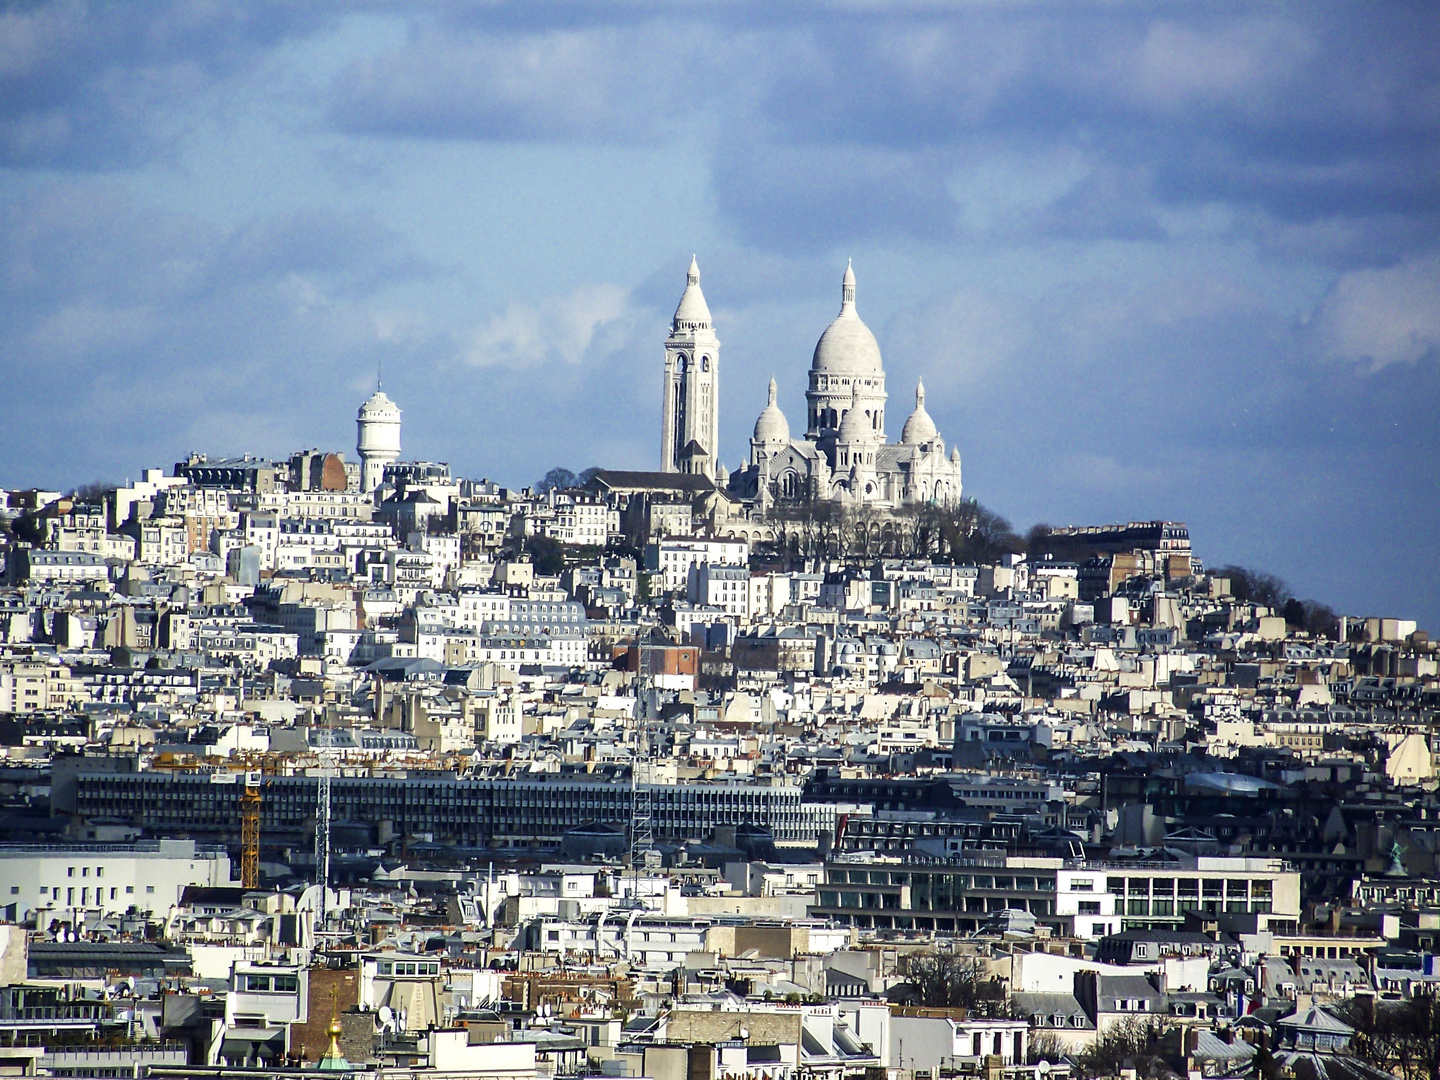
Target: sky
{"x":1152,"y":260}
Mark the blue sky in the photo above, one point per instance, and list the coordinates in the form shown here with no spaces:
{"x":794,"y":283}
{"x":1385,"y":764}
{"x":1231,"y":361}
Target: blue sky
{"x":1152,"y":260}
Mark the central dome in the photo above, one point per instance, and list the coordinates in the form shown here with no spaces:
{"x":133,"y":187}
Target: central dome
{"x":847,"y":347}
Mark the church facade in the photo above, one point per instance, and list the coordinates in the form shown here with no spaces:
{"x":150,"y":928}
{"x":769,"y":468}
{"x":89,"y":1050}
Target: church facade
{"x":844,"y":456}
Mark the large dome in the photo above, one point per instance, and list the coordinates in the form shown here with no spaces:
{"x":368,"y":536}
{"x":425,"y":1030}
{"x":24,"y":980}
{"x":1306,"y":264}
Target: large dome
{"x":847,"y":347}
{"x":772,"y":427}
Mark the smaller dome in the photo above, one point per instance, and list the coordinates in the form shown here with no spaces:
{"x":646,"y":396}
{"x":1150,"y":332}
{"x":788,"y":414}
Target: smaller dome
{"x":772,"y":426}
{"x":853,"y":426}
{"x":379,"y":407}
{"x":919,"y":428}
{"x":693,"y":313}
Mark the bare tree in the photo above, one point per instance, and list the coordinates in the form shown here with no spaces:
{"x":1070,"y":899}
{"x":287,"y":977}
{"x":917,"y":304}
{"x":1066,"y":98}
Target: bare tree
{"x":944,"y":980}
{"x":557,"y":479}
{"x":1044,"y":1046}
{"x":1399,"y":1037}
{"x":1132,"y":1043}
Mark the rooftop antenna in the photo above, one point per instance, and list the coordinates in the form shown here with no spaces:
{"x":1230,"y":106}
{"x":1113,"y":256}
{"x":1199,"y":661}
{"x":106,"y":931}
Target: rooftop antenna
{"x":380,"y":374}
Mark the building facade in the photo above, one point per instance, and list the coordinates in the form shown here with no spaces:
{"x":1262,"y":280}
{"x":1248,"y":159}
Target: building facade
{"x":844,"y":456}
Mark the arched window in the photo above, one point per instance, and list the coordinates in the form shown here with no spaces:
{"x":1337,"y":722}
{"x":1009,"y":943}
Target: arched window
{"x":680,"y":363}
{"x":704,"y":363}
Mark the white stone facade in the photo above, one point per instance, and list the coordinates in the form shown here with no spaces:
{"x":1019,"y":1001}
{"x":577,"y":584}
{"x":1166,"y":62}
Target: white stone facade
{"x":844,"y":455}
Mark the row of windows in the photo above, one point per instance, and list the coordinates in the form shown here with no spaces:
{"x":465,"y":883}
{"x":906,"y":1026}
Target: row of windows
{"x":393,"y":967}
{"x":54,"y":891}
{"x":270,"y":984}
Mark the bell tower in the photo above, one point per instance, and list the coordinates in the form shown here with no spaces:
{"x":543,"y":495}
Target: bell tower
{"x":690,"y":425}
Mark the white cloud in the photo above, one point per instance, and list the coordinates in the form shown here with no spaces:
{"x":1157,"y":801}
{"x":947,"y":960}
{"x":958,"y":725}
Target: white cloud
{"x":558,"y":328}
{"x":955,"y":341}
{"x":1379,"y":317}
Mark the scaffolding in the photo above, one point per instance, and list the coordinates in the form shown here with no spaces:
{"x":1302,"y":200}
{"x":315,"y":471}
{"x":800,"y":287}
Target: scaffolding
{"x":322,"y":846}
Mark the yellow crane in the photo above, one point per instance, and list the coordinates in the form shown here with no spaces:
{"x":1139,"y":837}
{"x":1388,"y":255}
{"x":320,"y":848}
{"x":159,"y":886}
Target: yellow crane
{"x":250,"y":832}
{"x":251,"y":800}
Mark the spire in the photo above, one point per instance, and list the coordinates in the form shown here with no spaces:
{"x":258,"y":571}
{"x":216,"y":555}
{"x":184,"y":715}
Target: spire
{"x":919,"y":393}
{"x":692,"y":314}
{"x":380,"y":374}
{"x":847,"y":288}
{"x":772,"y":390}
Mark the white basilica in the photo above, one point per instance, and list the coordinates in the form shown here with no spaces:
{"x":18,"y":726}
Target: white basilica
{"x":844,"y":456}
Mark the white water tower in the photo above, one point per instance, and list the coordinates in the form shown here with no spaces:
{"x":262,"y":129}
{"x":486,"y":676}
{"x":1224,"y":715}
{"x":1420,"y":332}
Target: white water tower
{"x":378,"y":423}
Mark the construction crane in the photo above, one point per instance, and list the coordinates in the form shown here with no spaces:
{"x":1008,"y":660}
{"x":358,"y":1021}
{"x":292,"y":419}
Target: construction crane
{"x":250,"y":801}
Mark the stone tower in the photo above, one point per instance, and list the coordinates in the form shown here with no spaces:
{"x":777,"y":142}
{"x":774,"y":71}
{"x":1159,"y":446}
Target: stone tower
{"x":690,"y":427}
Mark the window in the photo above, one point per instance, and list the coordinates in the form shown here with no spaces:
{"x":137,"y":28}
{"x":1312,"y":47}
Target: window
{"x":129,"y":890}
{"x":1142,"y":950}
{"x":70,"y":871}
{"x":1089,"y":907}
{"x":1083,"y":884}
{"x":14,"y":890}
{"x":149,"y":888}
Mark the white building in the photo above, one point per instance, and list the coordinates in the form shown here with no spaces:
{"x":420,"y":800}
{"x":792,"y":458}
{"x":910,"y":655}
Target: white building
{"x":103,"y":879}
{"x":724,"y":587}
{"x":844,"y":455}
{"x":673,"y":557}
{"x":378,"y":424}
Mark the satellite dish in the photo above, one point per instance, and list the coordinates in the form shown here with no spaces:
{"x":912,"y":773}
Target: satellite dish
{"x":387,"y":1018}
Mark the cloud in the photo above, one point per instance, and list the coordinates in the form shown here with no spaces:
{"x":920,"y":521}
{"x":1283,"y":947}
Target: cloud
{"x":1379,"y":317}
{"x":559,"y":329}
{"x":129,"y":327}
{"x":960,"y":340}
{"x":91,"y":85}
{"x":581,"y":84}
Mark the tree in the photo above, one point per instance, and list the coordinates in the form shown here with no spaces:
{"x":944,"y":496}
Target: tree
{"x":584,"y":479}
{"x":547,"y":554}
{"x":1044,"y":1046}
{"x":971,"y":534}
{"x":1398,"y":1037}
{"x":93,"y":493}
{"x":557,"y":479}
{"x":944,"y":980}
{"x":1255,"y":586}
{"x":1132,"y":1043}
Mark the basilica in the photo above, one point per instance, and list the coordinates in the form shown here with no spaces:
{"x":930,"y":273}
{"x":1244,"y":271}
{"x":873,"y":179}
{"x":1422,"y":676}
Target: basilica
{"x":844,"y":456}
